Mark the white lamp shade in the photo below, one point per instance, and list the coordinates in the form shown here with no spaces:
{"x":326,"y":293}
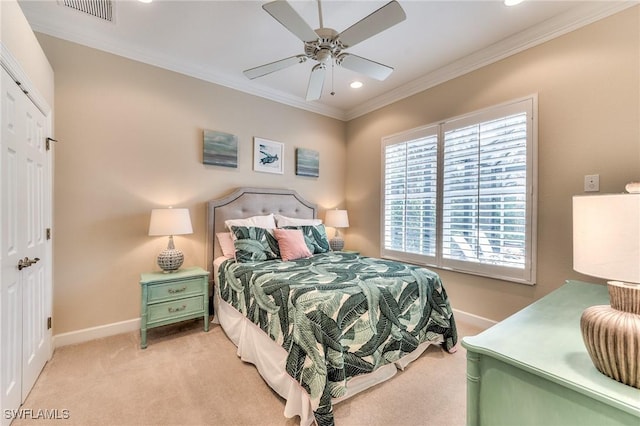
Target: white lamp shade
{"x":336,"y":219}
{"x":170,"y":222}
{"x":606,"y":236}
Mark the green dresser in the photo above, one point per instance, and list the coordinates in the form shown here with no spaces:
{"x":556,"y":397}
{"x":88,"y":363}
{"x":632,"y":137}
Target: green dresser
{"x":533,"y":369}
{"x":173,"y":297}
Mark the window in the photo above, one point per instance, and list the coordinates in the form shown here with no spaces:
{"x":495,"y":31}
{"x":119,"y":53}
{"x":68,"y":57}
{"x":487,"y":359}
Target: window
{"x":460,"y":194}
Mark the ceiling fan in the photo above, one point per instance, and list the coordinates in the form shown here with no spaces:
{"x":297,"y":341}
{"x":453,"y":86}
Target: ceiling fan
{"x":327,"y":46}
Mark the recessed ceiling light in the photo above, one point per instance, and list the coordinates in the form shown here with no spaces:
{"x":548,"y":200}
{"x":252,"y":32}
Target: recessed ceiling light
{"x":145,"y":1}
{"x":512,"y":2}
{"x":356,"y":84}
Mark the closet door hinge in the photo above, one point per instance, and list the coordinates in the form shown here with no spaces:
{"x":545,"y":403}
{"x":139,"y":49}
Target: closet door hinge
{"x":49,"y":323}
{"x":48,"y":233}
{"x":48,"y":143}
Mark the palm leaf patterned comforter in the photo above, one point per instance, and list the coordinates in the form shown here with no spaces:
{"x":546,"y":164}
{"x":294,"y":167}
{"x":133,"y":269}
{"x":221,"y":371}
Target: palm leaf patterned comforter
{"x":339,"y":315}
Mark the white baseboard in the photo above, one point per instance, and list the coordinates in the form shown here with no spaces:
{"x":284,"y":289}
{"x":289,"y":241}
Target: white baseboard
{"x":474,"y":320}
{"x":80,"y":336}
{"x":92,"y":333}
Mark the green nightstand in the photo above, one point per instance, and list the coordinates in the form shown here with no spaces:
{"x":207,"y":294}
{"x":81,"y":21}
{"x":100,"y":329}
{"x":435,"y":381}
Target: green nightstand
{"x":173,"y":297}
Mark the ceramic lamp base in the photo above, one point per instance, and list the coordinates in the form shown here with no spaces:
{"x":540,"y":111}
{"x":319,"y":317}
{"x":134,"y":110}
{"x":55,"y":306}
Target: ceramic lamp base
{"x":336,"y":243}
{"x":170,"y":260}
{"x":612,"y":334}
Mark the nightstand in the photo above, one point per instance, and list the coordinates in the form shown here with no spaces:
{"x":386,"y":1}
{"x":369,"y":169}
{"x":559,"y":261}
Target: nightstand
{"x":173,"y":297}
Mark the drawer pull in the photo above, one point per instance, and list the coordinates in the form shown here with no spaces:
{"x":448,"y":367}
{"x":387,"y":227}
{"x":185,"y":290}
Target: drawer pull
{"x":181,"y":308}
{"x":176,"y":290}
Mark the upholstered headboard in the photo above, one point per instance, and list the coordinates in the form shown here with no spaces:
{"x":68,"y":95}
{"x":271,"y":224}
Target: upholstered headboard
{"x":247,"y":202}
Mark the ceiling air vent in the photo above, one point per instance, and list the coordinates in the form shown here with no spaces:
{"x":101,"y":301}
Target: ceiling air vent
{"x":102,"y":9}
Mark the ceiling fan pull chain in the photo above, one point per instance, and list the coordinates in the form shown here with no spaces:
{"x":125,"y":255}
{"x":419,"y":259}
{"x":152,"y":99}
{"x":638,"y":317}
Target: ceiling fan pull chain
{"x":333,"y":68}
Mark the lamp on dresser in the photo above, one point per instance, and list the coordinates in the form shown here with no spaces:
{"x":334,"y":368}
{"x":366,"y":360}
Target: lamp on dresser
{"x":336,"y":219}
{"x":170,"y":222}
{"x":606,"y":244}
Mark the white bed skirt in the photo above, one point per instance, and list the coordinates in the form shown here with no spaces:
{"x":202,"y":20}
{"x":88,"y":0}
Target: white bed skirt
{"x":256,"y":347}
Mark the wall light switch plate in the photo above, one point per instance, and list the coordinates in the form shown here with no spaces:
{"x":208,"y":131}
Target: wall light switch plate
{"x":591,"y":183}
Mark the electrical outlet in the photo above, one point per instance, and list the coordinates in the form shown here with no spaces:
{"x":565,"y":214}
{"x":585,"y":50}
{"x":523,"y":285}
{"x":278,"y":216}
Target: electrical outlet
{"x":592,"y":183}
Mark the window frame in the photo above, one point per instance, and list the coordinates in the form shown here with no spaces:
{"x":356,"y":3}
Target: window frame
{"x":525,"y":275}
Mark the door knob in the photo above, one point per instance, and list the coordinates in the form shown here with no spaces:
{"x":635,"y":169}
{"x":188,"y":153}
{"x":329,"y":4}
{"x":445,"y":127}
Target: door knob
{"x":26,"y":262}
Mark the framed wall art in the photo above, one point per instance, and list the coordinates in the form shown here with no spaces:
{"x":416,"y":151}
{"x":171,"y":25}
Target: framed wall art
{"x":268,"y":156}
{"x":220,"y":149}
{"x":307,"y":162}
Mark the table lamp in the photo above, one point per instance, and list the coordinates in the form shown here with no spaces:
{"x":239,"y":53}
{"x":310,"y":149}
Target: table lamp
{"x":170,"y":222}
{"x":336,"y":219}
{"x":606,"y":244}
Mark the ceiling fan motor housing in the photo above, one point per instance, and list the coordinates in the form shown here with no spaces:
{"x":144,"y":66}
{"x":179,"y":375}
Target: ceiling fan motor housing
{"x":325,"y":48}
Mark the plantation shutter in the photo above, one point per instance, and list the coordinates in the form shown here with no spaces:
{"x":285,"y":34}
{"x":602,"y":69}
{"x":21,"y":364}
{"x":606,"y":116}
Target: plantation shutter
{"x":485,"y":192}
{"x":410,"y":179}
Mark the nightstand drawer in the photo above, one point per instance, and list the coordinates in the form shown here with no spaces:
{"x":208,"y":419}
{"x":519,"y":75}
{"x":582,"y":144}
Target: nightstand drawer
{"x":173,"y":290}
{"x":175,"y":309}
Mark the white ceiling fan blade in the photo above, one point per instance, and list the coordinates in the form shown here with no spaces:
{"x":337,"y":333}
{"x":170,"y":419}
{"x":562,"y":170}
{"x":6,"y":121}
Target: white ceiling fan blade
{"x":274,"y":66}
{"x":289,"y":18}
{"x":386,"y":17}
{"x":316,"y":81}
{"x":364,"y":66}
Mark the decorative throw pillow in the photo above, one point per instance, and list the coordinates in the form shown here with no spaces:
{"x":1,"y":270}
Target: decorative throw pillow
{"x":226,"y":244}
{"x":291,"y":243}
{"x":267,"y":222}
{"x":284,"y":221}
{"x":254,"y":243}
{"x":315,"y":237}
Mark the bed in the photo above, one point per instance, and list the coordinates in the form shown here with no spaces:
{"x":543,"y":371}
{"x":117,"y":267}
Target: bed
{"x":320,"y":326}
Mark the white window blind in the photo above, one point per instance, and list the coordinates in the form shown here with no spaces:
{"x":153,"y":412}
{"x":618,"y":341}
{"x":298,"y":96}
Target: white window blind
{"x":410,"y":179}
{"x":471,"y":208}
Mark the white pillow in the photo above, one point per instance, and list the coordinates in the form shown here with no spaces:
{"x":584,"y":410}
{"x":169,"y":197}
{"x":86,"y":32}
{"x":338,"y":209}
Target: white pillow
{"x":267,"y":222}
{"x":283,"y":221}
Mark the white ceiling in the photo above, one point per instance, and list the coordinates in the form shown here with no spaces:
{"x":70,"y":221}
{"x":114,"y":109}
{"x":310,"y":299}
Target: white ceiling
{"x":217,"y":40}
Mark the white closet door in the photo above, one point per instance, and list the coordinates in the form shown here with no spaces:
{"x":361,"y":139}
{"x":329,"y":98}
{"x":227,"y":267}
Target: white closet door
{"x":32,"y":236}
{"x":24,"y":212}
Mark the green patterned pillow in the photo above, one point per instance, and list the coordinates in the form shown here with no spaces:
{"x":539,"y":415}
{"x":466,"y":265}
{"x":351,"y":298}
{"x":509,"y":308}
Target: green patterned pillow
{"x":254,"y":243}
{"x":315,"y":236}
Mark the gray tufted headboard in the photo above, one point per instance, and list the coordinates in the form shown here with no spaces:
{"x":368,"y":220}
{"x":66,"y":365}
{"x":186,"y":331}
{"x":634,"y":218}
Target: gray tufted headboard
{"x":247,"y":202}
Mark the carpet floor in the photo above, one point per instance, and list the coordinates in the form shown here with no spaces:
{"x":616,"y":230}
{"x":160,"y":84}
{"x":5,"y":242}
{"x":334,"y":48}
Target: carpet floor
{"x":188,"y":377}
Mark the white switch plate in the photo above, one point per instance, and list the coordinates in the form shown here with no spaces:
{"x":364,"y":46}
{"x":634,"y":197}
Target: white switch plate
{"x":591,"y":183}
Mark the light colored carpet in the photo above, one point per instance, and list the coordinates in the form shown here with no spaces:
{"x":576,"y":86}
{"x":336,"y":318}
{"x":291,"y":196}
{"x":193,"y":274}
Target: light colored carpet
{"x":188,"y":377}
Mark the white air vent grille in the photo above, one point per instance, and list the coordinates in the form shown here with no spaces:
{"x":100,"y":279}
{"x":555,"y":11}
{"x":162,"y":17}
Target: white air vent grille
{"x":102,"y":9}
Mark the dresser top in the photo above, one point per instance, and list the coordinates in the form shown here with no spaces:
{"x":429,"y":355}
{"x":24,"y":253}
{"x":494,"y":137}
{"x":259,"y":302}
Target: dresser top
{"x":545,"y":339}
{"x":194,"y":271}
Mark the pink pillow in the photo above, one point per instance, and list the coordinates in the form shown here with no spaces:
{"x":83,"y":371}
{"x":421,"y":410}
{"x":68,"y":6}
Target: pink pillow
{"x":291,"y":243}
{"x":226,"y":244}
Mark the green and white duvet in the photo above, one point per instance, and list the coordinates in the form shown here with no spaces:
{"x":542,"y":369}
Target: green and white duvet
{"x":339,"y":315}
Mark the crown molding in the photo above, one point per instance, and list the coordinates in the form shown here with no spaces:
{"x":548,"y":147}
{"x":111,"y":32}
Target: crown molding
{"x":550,"y":29}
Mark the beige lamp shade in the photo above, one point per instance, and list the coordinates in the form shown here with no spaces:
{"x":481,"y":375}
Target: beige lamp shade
{"x":170,"y":222}
{"x":606,"y":236}
{"x":336,"y":219}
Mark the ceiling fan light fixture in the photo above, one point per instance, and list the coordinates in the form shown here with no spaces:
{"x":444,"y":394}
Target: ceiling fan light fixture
{"x":356,"y":84}
{"x":324,"y":56}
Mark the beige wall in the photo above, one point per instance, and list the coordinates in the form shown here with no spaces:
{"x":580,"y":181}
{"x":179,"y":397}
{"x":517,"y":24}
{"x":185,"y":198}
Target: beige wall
{"x":17,"y":37}
{"x":131,"y":140}
{"x":588,"y":86}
